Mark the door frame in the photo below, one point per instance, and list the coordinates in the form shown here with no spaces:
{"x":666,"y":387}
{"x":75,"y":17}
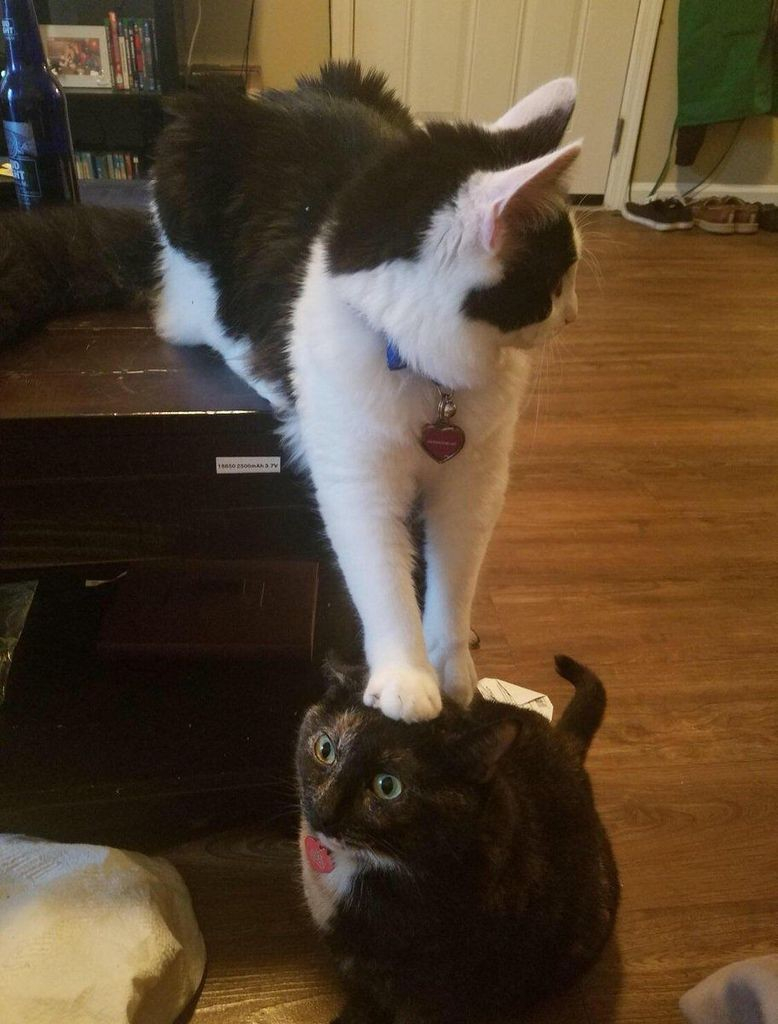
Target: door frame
{"x":632,"y":101}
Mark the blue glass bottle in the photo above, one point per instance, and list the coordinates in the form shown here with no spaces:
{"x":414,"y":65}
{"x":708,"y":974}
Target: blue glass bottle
{"x":34,"y":114}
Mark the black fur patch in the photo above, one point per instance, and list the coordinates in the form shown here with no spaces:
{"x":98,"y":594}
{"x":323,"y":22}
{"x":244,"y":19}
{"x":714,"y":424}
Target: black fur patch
{"x":59,"y":259}
{"x":244,"y":185}
{"x":348,"y":81}
{"x":525,"y":293}
{"x":385,"y":212}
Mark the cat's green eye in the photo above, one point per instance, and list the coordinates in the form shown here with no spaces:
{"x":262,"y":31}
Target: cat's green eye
{"x":387,"y":786}
{"x":324,"y":749}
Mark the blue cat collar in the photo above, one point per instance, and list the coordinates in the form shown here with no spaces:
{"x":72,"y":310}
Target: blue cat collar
{"x":393,"y":358}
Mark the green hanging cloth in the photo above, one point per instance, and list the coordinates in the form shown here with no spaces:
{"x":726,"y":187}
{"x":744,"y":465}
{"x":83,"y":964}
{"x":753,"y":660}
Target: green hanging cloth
{"x":727,"y":60}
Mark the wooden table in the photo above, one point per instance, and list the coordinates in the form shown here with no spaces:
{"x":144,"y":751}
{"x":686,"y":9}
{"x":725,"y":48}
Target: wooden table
{"x":108,"y":447}
{"x":109,"y":441}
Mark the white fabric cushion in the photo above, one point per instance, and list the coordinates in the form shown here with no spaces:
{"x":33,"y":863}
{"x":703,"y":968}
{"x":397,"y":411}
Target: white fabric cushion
{"x":745,"y":992}
{"x":93,"y":935}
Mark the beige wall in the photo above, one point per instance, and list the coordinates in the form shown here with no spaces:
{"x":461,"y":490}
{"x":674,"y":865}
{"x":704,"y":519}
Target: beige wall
{"x":289,"y":37}
{"x":754,"y":157}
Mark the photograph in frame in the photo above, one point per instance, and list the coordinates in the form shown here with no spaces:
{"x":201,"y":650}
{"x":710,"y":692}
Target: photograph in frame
{"x":78,"y":55}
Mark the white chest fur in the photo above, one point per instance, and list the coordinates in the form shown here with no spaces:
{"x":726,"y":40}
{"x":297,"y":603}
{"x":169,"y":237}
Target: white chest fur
{"x":347,"y":399}
{"x":325,"y":892}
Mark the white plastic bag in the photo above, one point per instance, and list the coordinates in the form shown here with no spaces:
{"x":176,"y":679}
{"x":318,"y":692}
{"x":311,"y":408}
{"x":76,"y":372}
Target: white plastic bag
{"x":94,"y":935}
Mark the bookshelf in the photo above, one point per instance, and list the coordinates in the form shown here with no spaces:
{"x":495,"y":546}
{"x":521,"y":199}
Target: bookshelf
{"x":110,"y":120}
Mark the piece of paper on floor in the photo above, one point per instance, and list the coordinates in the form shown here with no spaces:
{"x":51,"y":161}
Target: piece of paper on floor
{"x":508,"y":693}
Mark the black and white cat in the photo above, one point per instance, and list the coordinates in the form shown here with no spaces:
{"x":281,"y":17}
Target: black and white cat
{"x":314,"y":238}
{"x":457,"y":868}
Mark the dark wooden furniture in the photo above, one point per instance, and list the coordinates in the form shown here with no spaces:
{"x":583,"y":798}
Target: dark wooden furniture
{"x":109,"y":441}
{"x":108,"y":447}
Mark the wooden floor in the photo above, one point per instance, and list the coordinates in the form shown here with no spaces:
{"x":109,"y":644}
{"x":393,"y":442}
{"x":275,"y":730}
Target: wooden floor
{"x":639,"y":536}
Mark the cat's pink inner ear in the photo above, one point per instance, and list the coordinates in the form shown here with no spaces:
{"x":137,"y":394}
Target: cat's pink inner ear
{"x":510,"y":199}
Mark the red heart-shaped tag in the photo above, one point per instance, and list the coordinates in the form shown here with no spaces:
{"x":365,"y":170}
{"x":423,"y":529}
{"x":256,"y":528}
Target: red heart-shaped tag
{"x":442,"y":440}
{"x":318,"y":856}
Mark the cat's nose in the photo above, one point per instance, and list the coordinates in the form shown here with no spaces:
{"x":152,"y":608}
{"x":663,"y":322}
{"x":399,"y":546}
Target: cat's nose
{"x":322,"y":821}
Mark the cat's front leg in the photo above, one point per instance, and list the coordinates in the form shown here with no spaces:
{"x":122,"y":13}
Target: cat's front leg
{"x":365,"y":506}
{"x":462,"y":503}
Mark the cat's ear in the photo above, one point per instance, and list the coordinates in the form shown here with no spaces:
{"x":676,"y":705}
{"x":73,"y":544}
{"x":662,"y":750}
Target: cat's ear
{"x":550,"y":107}
{"x":342,"y":676}
{"x":508,"y":201}
{"x":491,"y":740}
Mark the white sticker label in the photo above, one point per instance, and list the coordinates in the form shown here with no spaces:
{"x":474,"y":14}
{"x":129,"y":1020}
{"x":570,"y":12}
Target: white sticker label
{"x":248,"y":464}
{"x":508,"y":693}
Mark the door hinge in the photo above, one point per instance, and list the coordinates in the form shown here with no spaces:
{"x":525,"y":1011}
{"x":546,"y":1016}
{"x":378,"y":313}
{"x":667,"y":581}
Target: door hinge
{"x":617,"y":136}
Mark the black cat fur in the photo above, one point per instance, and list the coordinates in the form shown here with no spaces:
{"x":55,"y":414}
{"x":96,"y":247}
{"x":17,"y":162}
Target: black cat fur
{"x":504,"y":888}
{"x":243,"y":186}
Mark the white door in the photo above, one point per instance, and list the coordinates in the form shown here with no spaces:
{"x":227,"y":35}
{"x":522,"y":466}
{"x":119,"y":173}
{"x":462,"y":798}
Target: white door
{"x":474,"y":58}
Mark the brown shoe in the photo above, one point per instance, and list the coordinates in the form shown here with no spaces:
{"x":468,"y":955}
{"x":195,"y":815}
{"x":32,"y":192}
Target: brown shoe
{"x":713,"y":215}
{"x":746,"y":215}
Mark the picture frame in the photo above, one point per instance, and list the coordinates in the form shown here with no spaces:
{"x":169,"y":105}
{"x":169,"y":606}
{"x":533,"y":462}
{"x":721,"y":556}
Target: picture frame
{"x":78,"y":55}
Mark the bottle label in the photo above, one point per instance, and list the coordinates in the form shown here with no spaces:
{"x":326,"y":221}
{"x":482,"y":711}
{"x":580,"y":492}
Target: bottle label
{"x":20,"y":136}
{"x":8,"y":30}
{"x":28,"y":181}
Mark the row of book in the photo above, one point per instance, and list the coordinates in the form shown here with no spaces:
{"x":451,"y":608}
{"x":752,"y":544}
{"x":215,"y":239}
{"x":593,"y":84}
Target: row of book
{"x":110,"y":166}
{"x":132,"y":46}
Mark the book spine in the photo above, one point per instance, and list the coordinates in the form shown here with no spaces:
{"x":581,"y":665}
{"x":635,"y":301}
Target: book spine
{"x":138,"y":41}
{"x":128,"y":166}
{"x":122,"y":43}
{"x":148,"y":56}
{"x":135,"y":166}
{"x":130,"y":53}
{"x":113,"y":48}
{"x":109,"y":47}
{"x":155,"y":56}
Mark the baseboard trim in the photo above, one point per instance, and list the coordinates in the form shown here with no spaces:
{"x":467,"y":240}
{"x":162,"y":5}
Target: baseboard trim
{"x":750,"y":193}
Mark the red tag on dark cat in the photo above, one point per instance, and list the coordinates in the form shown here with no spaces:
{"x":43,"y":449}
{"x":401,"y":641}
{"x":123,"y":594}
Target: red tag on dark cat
{"x":318,"y":856}
{"x":442,"y":440}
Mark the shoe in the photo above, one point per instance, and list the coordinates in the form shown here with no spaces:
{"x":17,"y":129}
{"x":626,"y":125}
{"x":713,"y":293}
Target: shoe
{"x":660,"y":214}
{"x":714,"y":215}
{"x":767,"y":217}
{"x":746,"y":215}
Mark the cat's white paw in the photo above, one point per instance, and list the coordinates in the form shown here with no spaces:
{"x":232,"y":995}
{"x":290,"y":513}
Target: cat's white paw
{"x":456,"y":672}
{"x":403,"y":692}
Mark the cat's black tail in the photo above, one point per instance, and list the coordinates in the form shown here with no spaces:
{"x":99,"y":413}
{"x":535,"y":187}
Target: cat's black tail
{"x":582,"y":717}
{"x":348,"y":80}
{"x":71,"y":258}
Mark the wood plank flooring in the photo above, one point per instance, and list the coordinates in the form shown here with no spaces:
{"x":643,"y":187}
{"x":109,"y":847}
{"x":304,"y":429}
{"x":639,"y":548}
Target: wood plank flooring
{"x":639,"y":535}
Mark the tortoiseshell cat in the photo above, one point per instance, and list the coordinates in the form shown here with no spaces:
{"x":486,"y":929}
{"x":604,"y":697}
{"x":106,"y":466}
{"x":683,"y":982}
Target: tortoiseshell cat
{"x":457,"y":867}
